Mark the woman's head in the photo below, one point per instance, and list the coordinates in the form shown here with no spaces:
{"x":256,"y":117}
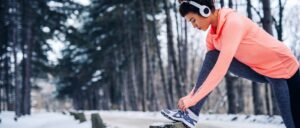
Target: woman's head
{"x":192,"y":13}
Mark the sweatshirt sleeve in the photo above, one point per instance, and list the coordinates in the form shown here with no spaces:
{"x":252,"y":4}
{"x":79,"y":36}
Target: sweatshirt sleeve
{"x":232,"y":34}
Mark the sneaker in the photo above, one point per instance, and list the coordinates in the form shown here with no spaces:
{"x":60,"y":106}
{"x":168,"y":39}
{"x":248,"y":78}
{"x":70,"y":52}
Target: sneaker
{"x":188,"y":118}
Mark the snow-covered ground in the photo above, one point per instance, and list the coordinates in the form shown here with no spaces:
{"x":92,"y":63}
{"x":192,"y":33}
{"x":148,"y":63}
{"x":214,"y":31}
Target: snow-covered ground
{"x":41,"y":120}
{"x":120,"y":119}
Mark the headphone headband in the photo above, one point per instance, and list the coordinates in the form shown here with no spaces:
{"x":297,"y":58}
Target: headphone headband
{"x":203,"y":10}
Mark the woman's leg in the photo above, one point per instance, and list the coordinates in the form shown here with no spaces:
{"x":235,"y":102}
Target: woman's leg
{"x":281,"y":91}
{"x":294,"y":88}
{"x":236,"y":67}
{"x":244,"y":71}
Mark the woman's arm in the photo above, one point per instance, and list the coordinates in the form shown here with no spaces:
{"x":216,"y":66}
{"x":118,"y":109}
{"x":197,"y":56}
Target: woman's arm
{"x":233,"y":33}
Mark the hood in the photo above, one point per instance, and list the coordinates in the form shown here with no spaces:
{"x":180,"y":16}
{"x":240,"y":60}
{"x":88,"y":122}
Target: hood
{"x":223,"y":15}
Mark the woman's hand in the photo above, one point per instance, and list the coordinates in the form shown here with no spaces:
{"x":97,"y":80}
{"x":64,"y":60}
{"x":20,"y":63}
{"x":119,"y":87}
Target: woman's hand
{"x":181,"y":105}
{"x":185,"y":102}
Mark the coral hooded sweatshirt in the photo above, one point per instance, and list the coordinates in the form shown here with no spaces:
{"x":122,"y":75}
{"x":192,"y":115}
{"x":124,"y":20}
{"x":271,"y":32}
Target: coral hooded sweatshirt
{"x":239,"y":37}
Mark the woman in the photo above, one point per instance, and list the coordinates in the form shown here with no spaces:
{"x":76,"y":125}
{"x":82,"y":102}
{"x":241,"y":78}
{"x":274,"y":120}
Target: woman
{"x":238,"y":45}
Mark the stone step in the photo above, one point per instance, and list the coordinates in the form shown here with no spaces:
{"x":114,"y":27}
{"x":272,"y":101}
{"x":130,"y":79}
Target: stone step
{"x":168,"y":125}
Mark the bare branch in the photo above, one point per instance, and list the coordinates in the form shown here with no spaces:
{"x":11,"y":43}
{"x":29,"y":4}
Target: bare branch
{"x":275,"y":21}
{"x":257,"y":11}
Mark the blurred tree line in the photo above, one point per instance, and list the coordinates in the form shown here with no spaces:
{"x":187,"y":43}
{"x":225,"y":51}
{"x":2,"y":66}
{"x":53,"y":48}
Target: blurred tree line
{"x":115,"y":58}
{"x":23,"y":43}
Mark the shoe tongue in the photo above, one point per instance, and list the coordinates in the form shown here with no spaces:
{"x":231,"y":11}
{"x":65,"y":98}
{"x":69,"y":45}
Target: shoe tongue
{"x":180,"y":111}
{"x":190,"y":111}
{"x":184,"y":112}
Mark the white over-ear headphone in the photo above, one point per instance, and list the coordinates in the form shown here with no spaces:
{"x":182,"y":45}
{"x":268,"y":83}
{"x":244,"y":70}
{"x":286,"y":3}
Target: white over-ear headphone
{"x":203,"y":10}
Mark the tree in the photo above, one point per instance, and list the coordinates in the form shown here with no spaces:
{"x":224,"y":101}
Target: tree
{"x":23,"y":35}
{"x":173,"y":64}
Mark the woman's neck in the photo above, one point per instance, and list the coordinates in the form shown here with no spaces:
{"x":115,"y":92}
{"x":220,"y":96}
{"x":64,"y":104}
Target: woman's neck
{"x":214,"y":20}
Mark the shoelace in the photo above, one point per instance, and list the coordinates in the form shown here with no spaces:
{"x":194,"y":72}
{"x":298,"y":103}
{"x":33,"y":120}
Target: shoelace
{"x":185,"y":116}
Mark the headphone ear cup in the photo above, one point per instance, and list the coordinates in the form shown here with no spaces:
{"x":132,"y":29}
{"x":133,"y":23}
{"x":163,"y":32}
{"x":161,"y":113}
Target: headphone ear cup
{"x":205,"y":11}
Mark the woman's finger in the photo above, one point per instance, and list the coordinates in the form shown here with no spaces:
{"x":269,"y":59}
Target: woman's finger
{"x":179,"y":103}
{"x":182,"y":105}
{"x":184,"y":108}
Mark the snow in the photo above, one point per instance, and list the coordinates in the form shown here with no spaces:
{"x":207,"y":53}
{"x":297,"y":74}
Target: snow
{"x":262,"y":119}
{"x":130,"y":119}
{"x":83,"y":2}
{"x":205,"y":120}
{"x":111,"y":8}
{"x":41,"y":120}
{"x":243,"y":121}
{"x":97,"y":76}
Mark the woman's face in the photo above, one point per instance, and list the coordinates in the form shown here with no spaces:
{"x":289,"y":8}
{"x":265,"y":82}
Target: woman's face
{"x":198,"y":21}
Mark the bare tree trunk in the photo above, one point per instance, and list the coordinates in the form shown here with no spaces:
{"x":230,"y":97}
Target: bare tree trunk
{"x":116,"y":82}
{"x":230,"y":4}
{"x":267,"y":19}
{"x":241,"y":96}
{"x":249,"y":12}
{"x":106,"y":98}
{"x":154,"y":96}
{"x":15,"y":28}
{"x":222,"y":3}
{"x":2,"y":53}
{"x":1,"y":85}
{"x":16,"y":76}
{"x":7,"y":53}
{"x":167,"y":94}
{"x":149,"y":79}
{"x":132,"y":84}
{"x":27,"y":54}
{"x":127,"y":53}
{"x":171,"y":51}
{"x":125,"y":91}
{"x":268,"y":100}
{"x":182,"y":51}
{"x":231,"y":87}
{"x":1,"y":79}
{"x":145,"y":46}
{"x":170,"y":69}
{"x":279,"y":24}
{"x":257,"y":99}
{"x":7,"y":82}
{"x":184,"y":59}
{"x":130,"y":76}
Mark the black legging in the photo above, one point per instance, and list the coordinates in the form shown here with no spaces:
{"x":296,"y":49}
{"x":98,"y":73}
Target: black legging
{"x":294,"y":88}
{"x":279,"y":86}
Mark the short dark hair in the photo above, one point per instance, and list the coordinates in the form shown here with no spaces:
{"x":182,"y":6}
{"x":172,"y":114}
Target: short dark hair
{"x":185,"y":7}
